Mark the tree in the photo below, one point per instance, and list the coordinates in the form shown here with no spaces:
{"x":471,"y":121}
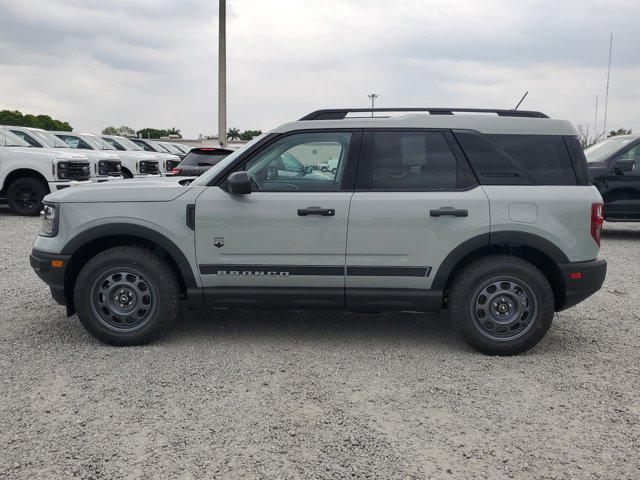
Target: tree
{"x":233,"y":134}
{"x":620,"y":131}
{"x":158,"y":133}
{"x":122,"y":131}
{"x":17,"y":118}
{"x":249,"y":134}
{"x":586,"y":137}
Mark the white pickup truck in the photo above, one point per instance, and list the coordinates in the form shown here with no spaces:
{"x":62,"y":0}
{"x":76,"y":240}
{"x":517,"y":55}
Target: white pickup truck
{"x":167,"y":161}
{"x":104,"y":165}
{"x":134,"y":164}
{"x":27,"y":174}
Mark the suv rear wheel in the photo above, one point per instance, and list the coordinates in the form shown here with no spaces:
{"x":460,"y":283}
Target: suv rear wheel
{"x":24,"y":196}
{"x":126,"y":296}
{"x":501,"y":305}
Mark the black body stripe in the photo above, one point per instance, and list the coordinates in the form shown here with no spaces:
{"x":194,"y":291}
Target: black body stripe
{"x":356,"y":271}
{"x":361,"y":271}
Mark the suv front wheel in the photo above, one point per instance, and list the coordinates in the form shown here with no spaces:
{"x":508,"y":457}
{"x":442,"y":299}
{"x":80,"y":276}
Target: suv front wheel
{"x":126,"y":296}
{"x":501,"y":305}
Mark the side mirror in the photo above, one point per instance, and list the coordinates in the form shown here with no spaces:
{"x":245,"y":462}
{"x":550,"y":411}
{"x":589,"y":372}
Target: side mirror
{"x":239,"y":183}
{"x":620,"y":166}
{"x":309,"y":170}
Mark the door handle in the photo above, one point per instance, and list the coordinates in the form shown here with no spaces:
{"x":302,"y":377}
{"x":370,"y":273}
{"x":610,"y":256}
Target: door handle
{"x":325,"y":212}
{"x":450,"y":211}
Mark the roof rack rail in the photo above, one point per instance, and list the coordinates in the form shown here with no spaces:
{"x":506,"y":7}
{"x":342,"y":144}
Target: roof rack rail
{"x":341,"y":113}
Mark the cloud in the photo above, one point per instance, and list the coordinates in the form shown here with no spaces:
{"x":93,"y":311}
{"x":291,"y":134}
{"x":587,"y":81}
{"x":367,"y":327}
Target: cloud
{"x":149,"y":63}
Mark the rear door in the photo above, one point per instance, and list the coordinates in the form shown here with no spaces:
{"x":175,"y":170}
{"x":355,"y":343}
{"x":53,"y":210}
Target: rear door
{"x":285,"y":242}
{"x":415,"y":201}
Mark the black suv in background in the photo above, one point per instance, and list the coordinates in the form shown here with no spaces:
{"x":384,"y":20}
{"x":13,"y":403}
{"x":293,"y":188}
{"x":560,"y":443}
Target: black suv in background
{"x":199,"y":160}
{"x":614,"y":165}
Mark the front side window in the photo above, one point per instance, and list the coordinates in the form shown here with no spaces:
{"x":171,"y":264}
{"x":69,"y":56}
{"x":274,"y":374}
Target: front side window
{"x":144,"y":145}
{"x":75,"y":142}
{"x":27,"y":138}
{"x":114,"y":144}
{"x":634,"y":155}
{"x":410,"y":160}
{"x":292,"y":163}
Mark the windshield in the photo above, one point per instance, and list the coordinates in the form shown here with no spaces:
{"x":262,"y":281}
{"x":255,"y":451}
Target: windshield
{"x":603,"y":150}
{"x":9,"y":139}
{"x":97,"y":142}
{"x":181,"y":148}
{"x":169,"y":148}
{"x":213,"y":171}
{"x":128,"y":144}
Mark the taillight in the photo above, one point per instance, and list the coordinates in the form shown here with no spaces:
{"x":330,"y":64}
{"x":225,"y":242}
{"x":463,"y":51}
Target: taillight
{"x":596,"y":221}
{"x":176,"y":171}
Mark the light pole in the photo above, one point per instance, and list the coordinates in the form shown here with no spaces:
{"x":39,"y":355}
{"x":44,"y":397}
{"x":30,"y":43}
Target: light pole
{"x":372,"y":97}
{"x":222,"y":73}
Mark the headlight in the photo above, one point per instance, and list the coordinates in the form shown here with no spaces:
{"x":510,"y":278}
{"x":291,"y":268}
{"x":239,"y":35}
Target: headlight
{"x":50,"y":220}
{"x":63,"y":172}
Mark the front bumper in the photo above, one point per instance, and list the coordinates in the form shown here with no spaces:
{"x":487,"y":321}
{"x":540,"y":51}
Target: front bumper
{"x":581,"y":280}
{"x":43,"y":264}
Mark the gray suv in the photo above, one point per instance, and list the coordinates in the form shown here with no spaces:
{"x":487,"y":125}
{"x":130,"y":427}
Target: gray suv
{"x":487,"y":213}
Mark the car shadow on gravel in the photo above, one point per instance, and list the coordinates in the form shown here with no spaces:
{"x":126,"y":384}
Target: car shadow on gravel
{"x":619,"y":234}
{"x":313,"y":327}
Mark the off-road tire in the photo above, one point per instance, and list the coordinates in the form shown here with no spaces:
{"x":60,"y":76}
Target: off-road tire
{"x":467,"y":289}
{"x":22,"y":186}
{"x":150,"y":271}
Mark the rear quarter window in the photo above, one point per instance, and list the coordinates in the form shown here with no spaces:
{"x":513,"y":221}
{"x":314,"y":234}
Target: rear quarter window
{"x":519,"y":159}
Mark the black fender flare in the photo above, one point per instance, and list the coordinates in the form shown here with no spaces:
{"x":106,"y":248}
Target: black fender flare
{"x":485,"y":240}
{"x":138,"y":231}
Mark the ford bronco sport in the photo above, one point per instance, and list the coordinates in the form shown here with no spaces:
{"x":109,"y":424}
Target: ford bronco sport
{"x":487,"y":213}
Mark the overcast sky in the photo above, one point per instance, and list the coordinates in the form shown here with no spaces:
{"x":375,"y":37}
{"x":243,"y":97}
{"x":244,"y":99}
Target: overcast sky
{"x":153,"y":63}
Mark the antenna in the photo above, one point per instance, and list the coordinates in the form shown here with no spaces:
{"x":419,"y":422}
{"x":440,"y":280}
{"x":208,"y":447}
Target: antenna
{"x":595,"y":120}
{"x":606,"y":98}
{"x":522,"y":99}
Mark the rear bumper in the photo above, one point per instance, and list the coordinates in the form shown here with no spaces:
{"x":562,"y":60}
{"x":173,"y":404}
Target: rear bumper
{"x":581,"y":280}
{"x":41,"y":262}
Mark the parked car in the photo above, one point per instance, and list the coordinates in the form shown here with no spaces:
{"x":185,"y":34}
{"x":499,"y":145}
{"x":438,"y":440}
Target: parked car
{"x":104,"y":165}
{"x":614,"y":165}
{"x":133,"y":164}
{"x":180,"y":146}
{"x":488,"y":215}
{"x":168,"y":160}
{"x":199,"y":160}
{"x":27,"y":174}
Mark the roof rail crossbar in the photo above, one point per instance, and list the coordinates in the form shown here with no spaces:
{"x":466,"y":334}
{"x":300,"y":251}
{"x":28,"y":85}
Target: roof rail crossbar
{"x":341,"y":113}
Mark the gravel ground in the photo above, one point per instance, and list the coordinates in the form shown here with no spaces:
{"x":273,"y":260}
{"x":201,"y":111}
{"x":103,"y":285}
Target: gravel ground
{"x":273,"y":394}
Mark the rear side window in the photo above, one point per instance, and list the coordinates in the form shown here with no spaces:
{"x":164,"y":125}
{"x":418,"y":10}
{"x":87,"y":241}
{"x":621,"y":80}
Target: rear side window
{"x":203,"y":158}
{"x":410,"y":160}
{"x":519,"y":159}
{"x":579,"y":160}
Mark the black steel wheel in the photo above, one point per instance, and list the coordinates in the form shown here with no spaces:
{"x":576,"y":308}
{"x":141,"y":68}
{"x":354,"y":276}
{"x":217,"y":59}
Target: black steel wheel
{"x":24,"y":196}
{"x":123,"y":299}
{"x":126,"y":296}
{"x":501,"y":305}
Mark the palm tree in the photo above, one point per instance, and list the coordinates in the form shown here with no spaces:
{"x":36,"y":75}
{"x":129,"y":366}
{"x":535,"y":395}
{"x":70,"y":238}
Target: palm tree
{"x":233,"y":134}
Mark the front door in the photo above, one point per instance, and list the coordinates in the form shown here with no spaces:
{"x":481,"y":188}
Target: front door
{"x":285,"y":242}
{"x":622,"y":199}
{"x":415,"y":201}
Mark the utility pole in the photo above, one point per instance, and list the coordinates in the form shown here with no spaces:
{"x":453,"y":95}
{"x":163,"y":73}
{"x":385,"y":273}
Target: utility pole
{"x":606,"y":98}
{"x":222,"y":73}
{"x":372,"y":97}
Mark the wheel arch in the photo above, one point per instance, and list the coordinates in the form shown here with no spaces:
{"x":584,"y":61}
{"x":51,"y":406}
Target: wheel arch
{"x":97,"y":239}
{"x":535,"y":249}
{"x":22,"y":173}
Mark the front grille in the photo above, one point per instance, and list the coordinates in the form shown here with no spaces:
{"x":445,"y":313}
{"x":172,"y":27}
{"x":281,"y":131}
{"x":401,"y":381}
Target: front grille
{"x":171,"y":164}
{"x":149,"y":167}
{"x":74,"y":170}
{"x":111,"y":168}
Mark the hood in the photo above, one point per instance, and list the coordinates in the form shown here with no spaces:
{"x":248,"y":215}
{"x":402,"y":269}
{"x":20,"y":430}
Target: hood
{"x":52,"y":153}
{"x":162,"y":189}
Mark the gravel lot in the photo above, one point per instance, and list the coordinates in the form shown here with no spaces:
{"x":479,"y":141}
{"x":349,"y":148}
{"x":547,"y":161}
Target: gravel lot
{"x":242,"y":394}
